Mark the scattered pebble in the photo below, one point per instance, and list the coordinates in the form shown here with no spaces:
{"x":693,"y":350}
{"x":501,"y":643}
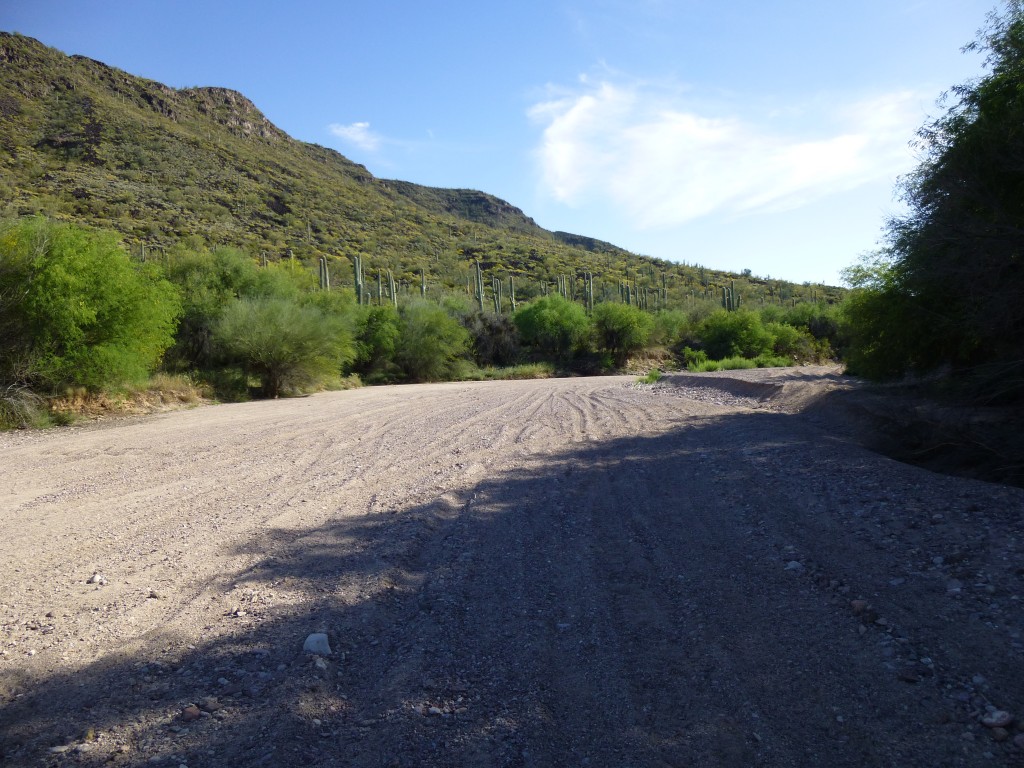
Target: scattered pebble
{"x":209,"y":704}
{"x":317,"y":643}
{"x":997,"y":719}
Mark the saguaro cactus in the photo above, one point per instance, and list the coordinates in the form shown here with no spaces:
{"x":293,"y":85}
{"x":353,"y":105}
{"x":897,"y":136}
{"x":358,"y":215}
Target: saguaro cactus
{"x":480,"y":286}
{"x":496,"y":292}
{"x":357,"y":268}
{"x":325,"y":275}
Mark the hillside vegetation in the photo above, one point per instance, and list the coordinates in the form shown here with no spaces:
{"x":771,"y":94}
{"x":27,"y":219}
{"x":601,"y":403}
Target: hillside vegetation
{"x":202,"y":167}
{"x":144,"y":227}
{"x":945,"y":293}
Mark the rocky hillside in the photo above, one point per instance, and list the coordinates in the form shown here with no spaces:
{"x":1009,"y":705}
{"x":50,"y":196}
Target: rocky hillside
{"x":203,"y":167}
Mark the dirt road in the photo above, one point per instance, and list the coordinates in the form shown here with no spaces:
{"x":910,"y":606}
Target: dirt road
{"x":572,"y":572}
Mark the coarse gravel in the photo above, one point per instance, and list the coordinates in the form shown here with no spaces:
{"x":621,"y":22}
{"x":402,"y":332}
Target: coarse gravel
{"x":709,"y":571}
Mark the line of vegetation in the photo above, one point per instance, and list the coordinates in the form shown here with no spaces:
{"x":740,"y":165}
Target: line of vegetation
{"x":79,"y":315}
{"x":147,"y":231}
{"x":944,"y":294}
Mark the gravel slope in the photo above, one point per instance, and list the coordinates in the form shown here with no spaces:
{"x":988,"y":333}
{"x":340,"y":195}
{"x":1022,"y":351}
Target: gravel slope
{"x":540,"y":573}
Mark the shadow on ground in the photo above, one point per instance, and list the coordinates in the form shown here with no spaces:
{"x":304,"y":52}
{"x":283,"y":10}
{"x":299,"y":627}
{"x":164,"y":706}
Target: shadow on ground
{"x":618,"y":604}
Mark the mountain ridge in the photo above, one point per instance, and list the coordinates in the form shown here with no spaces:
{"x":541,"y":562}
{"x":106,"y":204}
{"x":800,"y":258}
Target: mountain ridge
{"x":204,"y":167}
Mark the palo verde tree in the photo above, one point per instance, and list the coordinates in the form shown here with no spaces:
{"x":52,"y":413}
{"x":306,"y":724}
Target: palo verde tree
{"x":553,"y":326}
{"x":290,"y":346}
{"x":949,"y":285}
{"x":75,"y":311}
{"x":621,"y":330}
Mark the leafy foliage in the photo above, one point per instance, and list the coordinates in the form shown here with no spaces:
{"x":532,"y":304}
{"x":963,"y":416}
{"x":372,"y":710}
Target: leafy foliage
{"x":671,"y":326}
{"x":734,"y":334}
{"x":553,"y":325}
{"x":495,"y":339}
{"x":792,"y":342}
{"x":75,"y":311}
{"x":377,"y":333}
{"x":621,"y":329}
{"x":947,"y":290}
{"x":430,"y":343}
{"x":208,"y":282}
{"x":288,"y":345}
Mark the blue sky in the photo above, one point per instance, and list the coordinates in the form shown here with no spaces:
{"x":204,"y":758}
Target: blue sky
{"x":744,"y":135}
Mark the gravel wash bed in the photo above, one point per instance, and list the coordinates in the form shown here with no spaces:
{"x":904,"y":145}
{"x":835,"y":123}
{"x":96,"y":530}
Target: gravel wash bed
{"x":566,"y":572}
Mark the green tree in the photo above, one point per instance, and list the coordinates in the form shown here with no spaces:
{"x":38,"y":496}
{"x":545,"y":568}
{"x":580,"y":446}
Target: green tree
{"x":208,"y":283}
{"x":879,"y":332}
{"x":430,"y":342}
{"x":792,"y":343}
{"x":75,"y":310}
{"x":951,"y":289}
{"x":553,"y":325}
{"x":378,"y":330}
{"x":671,"y":326}
{"x":734,"y":334}
{"x":621,"y":329}
{"x":291,"y":347}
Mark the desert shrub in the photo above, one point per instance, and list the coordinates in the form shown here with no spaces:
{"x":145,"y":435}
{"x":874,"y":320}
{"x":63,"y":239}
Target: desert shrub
{"x":736,"y":363}
{"x":821,"y":321}
{"x":523,"y":371}
{"x":377,"y":330}
{"x":285,"y":280}
{"x":430,"y":342}
{"x":75,"y":310}
{"x":693,"y":358}
{"x":621,"y":329}
{"x":734,"y":334}
{"x":553,"y":326}
{"x":670,"y":328}
{"x":705,"y":366}
{"x":210,"y":281}
{"x":207,"y":282}
{"x":494,"y":338}
{"x":772,"y":313}
{"x":290,"y":347}
{"x":792,"y":343}
{"x":772,"y":361}
{"x":20,"y":407}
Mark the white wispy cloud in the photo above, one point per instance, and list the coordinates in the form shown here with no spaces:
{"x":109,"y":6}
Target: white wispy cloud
{"x":662,"y":159}
{"x":358,"y":134}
